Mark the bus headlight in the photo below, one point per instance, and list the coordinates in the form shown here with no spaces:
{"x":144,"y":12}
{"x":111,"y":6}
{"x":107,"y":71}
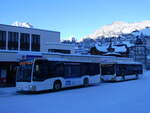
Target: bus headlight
{"x":32,"y":87}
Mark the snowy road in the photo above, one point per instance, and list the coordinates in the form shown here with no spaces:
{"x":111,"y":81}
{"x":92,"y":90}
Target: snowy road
{"x":122,"y":97}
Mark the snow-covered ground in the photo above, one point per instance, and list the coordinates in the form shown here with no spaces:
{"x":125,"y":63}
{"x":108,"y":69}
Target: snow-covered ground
{"x":121,"y":97}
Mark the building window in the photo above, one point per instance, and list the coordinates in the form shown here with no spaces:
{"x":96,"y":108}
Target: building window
{"x":13,"y":40}
{"x":35,"y":42}
{"x":24,"y":41}
{"x":2,"y":39}
{"x":59,"y":51}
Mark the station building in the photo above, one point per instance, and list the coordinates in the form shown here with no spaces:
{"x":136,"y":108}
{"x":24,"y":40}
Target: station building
{"x":17,"y":42}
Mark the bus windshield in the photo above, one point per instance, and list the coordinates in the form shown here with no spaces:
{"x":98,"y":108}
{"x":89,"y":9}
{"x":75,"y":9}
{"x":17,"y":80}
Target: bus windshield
{"x":24,"y":71}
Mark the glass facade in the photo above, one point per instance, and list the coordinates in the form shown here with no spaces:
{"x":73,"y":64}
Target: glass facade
{"x":35,"y":42}
{"x":2,"y":39}
{"x":8,"y":73}
{"x":13,"y":40}
{"x":10,"y":40}
{"x":24,"y":42}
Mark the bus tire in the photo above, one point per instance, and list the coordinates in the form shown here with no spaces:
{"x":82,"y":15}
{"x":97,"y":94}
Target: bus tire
{"x":85,"y":82}
{"x":102,"y":80}
{"x":57,"y":85}
{"x":137,"y":76}
{"x":123,"y":77}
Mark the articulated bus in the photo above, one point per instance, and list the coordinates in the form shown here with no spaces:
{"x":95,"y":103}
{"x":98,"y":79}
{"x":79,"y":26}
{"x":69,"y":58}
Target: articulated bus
{"x":121,"y":71}
{"x":43,"y":74}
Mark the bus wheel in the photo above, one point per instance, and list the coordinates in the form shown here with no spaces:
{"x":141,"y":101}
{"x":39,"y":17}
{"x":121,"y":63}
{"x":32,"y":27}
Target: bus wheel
{"x":86,"y":82}
{"x":137,"y":76}
{"x":102,"y":79}
{"x":123,"y":78}
{"x":57,"y":85}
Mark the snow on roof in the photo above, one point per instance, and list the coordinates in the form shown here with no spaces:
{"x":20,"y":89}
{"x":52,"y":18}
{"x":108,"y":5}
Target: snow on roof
{"x":23,"y":24}
{"x":101,"y":48}
{"x":128,"y":43}
{"x":105,"y":47}
{"x":148,"y":57}
{"x":112,"y":53}
{"x":125,"y":43}
{"x":120,"y":48}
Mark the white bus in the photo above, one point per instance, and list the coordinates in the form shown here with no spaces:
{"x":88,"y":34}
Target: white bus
{"x":43,"y":74}
{"x":120,"y":71}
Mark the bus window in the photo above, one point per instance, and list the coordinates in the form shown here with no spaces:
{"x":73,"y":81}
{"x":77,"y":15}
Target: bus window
{"x":72,"y":70}
{"x":84,"y":69}
{"x":128,"y":69}
{"x":56,"y":69}
{"x":121,"y":69}
{"x":93,"y":69}
{"x":107,"y":69}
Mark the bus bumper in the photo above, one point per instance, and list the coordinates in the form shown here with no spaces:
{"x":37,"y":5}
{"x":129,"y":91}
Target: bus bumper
{"x":20,"y":87}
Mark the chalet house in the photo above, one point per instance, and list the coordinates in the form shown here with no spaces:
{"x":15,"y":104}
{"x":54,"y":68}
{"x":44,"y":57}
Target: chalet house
{"x":120,"y":50}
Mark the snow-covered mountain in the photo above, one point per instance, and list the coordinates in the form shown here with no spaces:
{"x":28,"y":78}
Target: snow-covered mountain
{"x":119,"y":28}
{"x":118,"y":33}
{"x":23,"y":24}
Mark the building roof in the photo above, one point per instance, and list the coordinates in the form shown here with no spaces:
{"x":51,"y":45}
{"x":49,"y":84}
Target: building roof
{"x":113,"y":53}
{"x":27,"y":28}
{"x":120,"y":48}
{"x":104,"y":48}
{"x":101,"y":48}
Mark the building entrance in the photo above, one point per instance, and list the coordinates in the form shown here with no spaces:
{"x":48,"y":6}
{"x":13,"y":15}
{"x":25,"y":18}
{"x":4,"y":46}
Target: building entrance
{"x":3,"y":75}
{"x":8,"y":73}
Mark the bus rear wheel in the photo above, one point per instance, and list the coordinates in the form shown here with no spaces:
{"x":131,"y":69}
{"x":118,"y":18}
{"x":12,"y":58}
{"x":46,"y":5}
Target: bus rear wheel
{"x":86,"y":82}
{"x":57,"y":85}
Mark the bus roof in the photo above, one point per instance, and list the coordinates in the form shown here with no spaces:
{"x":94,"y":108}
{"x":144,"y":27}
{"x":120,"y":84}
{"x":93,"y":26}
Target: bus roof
{"x":81,"y":60}
{"x":121,"y":62}
{"x":66,"y":60}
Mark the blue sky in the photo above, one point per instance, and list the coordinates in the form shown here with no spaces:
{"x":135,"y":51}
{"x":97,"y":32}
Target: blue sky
{"x":76,"y":18}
